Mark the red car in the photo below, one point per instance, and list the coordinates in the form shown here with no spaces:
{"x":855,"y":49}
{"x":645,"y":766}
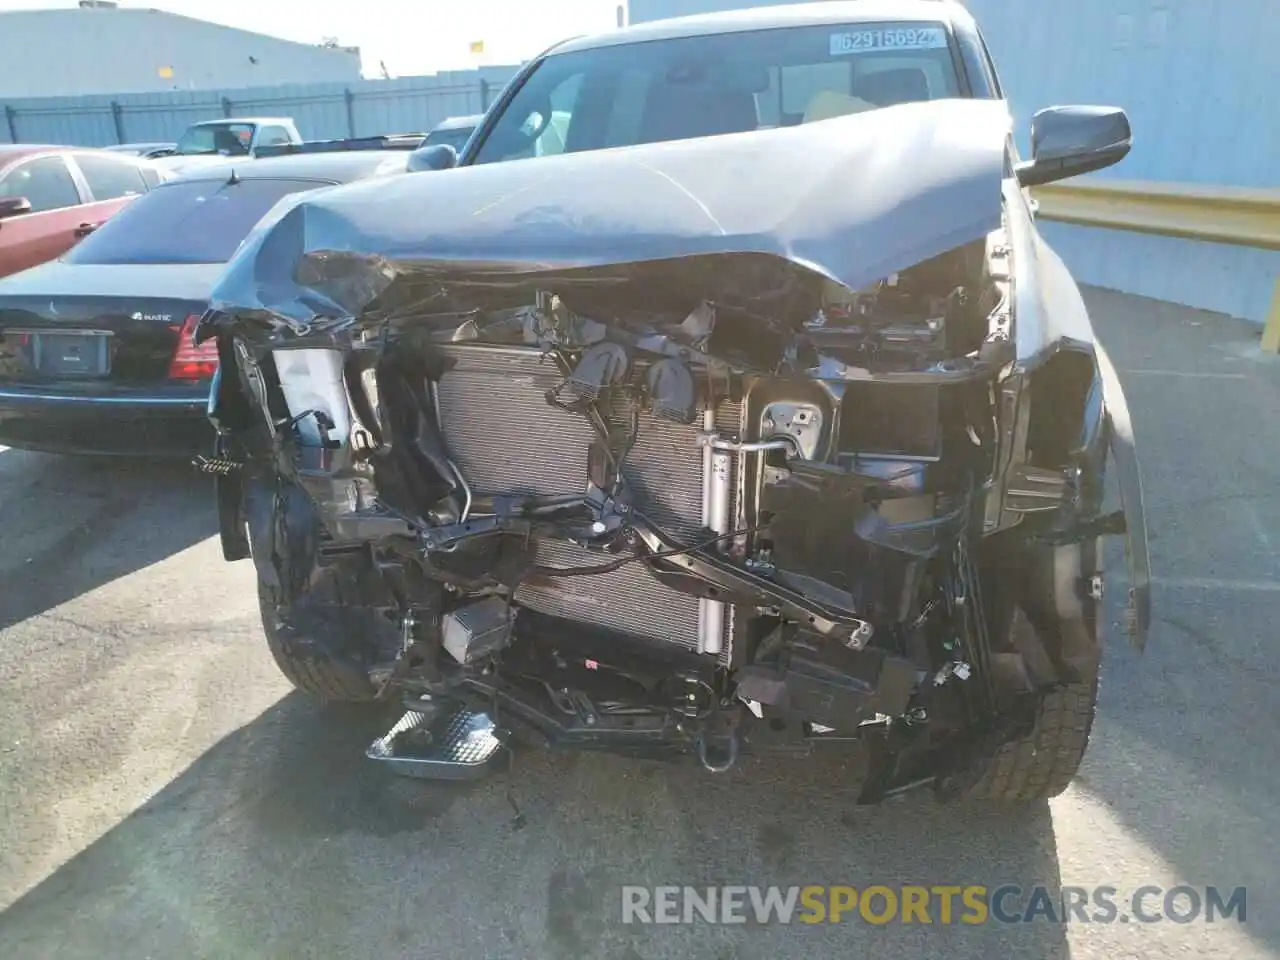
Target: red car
{"x":50,"y":197}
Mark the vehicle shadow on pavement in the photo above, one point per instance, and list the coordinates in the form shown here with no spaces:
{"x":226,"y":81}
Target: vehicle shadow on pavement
{"x":282,"y":840}
{"x":1188,"y":772}
{"x":1184,"y":755}
{"x":71,"y":524}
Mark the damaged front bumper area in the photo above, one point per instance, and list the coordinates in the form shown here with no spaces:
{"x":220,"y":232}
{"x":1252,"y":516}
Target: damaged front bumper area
{"x":690,"y":504}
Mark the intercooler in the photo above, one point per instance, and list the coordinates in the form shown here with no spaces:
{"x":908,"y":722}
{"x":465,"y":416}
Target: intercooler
{"x":506,"y":438}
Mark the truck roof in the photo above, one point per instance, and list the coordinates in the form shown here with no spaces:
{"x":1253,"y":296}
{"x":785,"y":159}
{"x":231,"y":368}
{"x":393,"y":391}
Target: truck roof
{"x":258,"y":120}
{"x":458,"y":123}
{"x":820,"y":13}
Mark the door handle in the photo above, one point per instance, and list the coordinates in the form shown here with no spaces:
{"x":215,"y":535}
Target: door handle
{"x":86,"y":228}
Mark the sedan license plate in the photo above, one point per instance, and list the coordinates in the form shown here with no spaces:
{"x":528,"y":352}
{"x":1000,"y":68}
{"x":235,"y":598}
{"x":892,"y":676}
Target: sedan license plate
{"x":71,"y":354}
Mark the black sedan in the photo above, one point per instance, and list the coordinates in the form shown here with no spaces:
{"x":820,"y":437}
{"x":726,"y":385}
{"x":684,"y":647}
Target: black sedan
{"x":96,"y":352}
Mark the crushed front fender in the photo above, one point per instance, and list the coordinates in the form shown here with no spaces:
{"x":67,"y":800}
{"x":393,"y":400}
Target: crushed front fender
{"x":1129,"y":480}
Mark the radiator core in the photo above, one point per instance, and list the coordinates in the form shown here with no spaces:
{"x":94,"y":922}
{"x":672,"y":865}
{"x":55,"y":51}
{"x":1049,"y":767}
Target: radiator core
{"x":506,"y":438}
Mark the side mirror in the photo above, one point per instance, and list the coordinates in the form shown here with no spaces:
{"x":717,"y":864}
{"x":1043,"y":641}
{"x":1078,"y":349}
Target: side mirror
{"x":1068,"y":141}
{"x":437,"y":156}
{"x":14,"y":206}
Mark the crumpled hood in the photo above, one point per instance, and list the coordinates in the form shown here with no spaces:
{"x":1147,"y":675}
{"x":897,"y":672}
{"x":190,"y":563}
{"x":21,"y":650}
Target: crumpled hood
{"x":853,"y":199}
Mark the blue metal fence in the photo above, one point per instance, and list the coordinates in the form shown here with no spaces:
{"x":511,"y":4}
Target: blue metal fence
{"x":321,"y":110}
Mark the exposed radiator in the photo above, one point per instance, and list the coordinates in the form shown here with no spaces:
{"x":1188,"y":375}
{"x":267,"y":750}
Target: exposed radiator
{"x":505,"y":438}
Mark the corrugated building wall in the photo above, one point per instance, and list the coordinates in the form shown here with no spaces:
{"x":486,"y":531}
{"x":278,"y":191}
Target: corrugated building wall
{"x":1200,"y":80}
{"x":53,"y":53}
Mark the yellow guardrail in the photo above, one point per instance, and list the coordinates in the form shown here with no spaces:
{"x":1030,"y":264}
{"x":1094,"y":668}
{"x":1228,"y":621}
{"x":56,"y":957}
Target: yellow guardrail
{"x":1241,"y":216}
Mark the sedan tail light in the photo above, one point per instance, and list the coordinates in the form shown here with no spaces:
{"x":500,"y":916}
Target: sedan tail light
{"x":191,"y":362}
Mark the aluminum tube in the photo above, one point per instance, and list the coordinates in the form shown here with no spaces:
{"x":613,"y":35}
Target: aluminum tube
{"x":716,"y":492}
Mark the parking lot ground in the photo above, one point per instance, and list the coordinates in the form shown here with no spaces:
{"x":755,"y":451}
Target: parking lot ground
{"x":164,"y":794}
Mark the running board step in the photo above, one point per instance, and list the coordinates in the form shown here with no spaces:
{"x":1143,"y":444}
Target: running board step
{"x":440,"y":745}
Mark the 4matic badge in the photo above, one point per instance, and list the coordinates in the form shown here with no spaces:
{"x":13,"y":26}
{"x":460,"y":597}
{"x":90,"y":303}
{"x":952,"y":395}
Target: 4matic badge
{"x":152,"y":317}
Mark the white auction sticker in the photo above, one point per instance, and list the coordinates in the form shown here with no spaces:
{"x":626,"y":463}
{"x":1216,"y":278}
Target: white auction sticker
{"x":888,"y":38}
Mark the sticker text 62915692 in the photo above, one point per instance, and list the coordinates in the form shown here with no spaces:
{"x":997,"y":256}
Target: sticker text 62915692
{"x":888,"y":38}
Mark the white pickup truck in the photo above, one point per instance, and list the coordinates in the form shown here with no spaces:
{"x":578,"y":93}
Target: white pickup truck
{"x":211,"y":140}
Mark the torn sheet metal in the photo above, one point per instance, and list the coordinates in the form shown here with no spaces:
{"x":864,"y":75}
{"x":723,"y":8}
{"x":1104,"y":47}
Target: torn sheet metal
{"x":851,"y":199}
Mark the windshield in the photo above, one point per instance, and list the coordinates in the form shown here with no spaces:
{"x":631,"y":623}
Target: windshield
{"x":456,"y":138}
{"x":199,"y":221}
{"x":658,"y":90}
{"x":233,"y":139}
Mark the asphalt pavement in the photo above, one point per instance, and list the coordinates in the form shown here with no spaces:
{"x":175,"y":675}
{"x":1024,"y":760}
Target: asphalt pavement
{"x":164,"y":793}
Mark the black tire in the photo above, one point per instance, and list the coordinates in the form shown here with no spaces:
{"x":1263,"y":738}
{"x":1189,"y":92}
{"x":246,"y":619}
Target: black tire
{"x":1042,"y":765}
{"x":309,"y":668}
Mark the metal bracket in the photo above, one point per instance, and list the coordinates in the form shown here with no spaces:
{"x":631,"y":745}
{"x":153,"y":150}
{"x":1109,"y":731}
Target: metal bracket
{"x":800,"y":422}
{"x":218,"y":466}
{"x":1034,"y":489}
{"x":840,"y":624}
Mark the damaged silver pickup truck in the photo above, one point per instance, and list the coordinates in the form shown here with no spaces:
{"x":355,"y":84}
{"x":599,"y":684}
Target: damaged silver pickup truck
{"x":721,"y":397}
